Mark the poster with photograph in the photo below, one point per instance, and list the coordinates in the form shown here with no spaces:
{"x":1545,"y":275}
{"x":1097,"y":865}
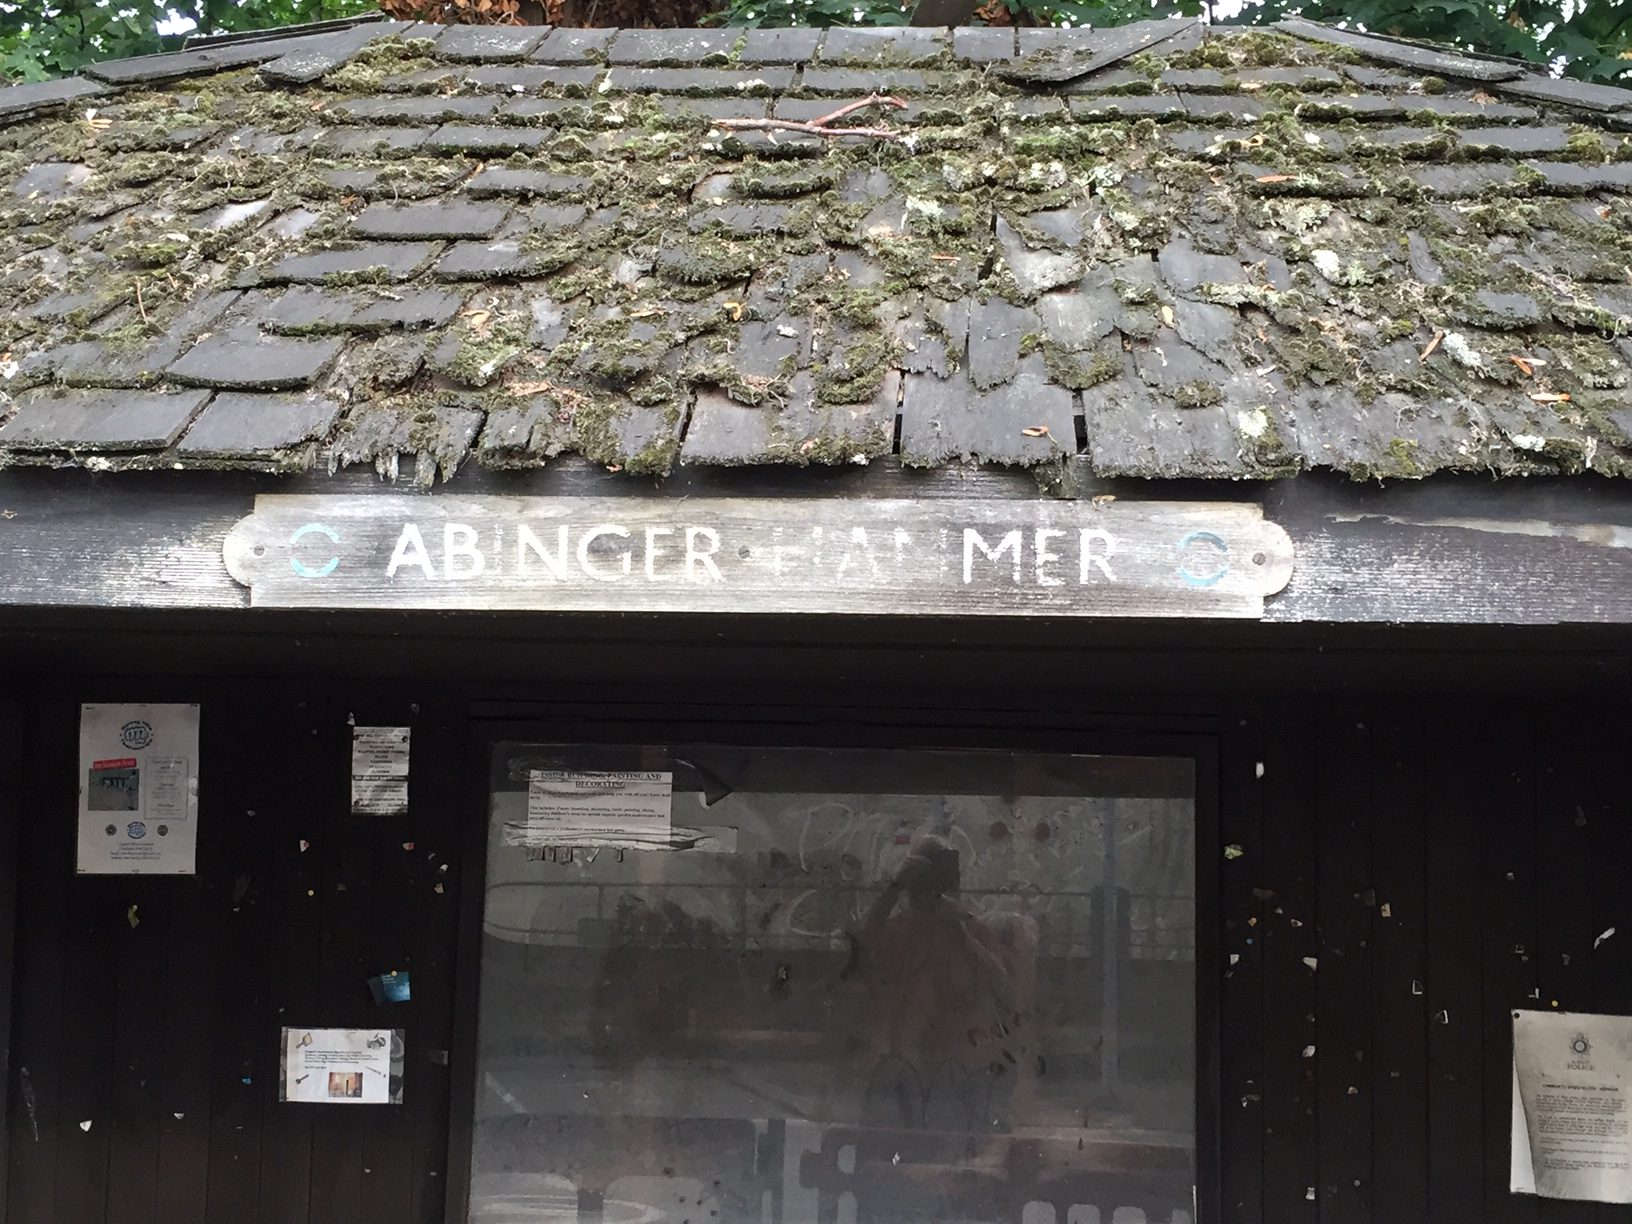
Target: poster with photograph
{"x":1572,"y":1128}
{"x":138,"y":789}
{"x":338,"y":1066}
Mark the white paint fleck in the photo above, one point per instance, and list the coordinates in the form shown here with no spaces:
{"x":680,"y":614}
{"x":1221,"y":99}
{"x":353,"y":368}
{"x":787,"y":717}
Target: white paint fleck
{"x":1308,"y":1051}
{"x":1312,"y":961}
{"x":1326,"y":262}
{"x":1609,"y":932}
{"x":85,"y":1125}
{"x":1258,"y":769}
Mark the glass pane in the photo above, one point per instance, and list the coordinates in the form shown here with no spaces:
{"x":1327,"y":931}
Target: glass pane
{"x":883,"y":986}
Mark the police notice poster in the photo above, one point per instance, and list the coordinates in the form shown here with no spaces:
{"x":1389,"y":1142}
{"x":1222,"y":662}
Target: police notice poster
{"x":138,"y":789}
{"x":1572,"y":1085}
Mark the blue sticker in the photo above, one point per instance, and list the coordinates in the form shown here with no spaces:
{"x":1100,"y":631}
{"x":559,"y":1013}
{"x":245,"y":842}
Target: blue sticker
{"x":136,"y":734}
{"x":136,"y":830}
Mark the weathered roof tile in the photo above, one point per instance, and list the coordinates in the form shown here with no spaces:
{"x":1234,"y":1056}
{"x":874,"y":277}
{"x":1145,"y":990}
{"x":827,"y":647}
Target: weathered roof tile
{"x":491,"y":44}
{"x":1223,"y":295}
{"x":38,"y":95}
{"x":672,"y":47}
{"x":100,"y":420}
{"x":378,"y":262}
{"x":440,"y":220}
{"x":238,"y":425}
{"x":574,"y":47}
{"x":1032,"y":421}
{"x":242,"y":357}
{"x":779,"y":46}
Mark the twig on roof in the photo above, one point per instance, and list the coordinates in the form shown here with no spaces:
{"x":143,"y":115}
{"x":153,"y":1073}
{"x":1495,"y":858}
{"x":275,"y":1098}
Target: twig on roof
{"x":820,"y":127}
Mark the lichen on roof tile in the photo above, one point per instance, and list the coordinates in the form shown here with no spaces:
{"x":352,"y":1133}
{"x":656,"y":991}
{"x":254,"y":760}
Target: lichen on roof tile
{"x":1176,"y":252}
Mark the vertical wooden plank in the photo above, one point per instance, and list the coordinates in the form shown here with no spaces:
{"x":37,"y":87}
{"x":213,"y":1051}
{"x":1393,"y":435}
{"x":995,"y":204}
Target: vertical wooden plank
{"x":1508,"y":842}
{"x":1456,"y":1169}
{"x":1343,"y":986}
{"x":139,"y":947}
{"x":184,"y":1094}
{"x":44,"y":892}
{"x":1241,"y":995}
{"x":11,"y":806}
{"x":399,"y":866}
{"x":1291,"y":1123}
{"x":84,"y":1110}
{"x":292,"y":818}
{"x":342,"y":962}
{"x":441,"y":797}
{"x":1566,"y":806}
{"x":1399,"y":1062}
{"x":1609,"y":948}
{"x":242,"y":764}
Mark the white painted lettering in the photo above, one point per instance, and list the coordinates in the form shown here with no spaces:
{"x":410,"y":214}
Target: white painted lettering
{"x":696,"y":556}
{"x":460,"y":556}
{"x":587,"y":563}
{"x":972,"y":540}
{"x":410,"y":550}
{"x":527,"y":542}
{"x":1039,"y":546}
{"x":1096,"y":560}
{"x":652,"y":554}
{"x":858,"y":541}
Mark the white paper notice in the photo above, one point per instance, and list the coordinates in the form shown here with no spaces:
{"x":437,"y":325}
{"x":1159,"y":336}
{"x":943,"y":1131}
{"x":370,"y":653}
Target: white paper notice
{"x":1570,"y":1073}
{"x":571,"y":808}
{"x":342,"y":1066}
{"x":138,"y":789}
{"x":379,"y":770}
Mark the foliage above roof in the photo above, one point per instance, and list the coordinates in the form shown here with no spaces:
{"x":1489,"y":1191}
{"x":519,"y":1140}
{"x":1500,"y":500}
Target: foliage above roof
{"x":1236,"y":254}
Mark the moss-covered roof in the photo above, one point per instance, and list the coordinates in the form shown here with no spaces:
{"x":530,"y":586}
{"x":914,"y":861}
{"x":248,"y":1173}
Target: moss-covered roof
{"x":1180,"y":251}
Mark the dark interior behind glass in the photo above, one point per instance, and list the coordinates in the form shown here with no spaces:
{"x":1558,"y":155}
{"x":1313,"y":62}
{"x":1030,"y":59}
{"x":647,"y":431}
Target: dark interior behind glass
{"x":867,"y":985}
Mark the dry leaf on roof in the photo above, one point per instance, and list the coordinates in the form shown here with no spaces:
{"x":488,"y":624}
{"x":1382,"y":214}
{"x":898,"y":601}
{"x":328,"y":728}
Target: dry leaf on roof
{"x":1550,"y":397}
{"x":1526,"y":366}
{"x":1433,"y":344}
{"x":1276,"y":178}
{"x":1035,"y":431}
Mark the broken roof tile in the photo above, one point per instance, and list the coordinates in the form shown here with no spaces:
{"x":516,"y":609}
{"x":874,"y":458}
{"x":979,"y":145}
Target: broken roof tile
{"x":1031,"y":422}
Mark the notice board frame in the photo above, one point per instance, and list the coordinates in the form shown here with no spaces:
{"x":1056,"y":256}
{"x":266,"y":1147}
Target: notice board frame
{"x":597,"y":725}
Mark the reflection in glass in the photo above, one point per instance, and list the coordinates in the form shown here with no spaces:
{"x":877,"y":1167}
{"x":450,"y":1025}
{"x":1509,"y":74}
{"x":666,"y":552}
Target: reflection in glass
{"x":860,"y":986}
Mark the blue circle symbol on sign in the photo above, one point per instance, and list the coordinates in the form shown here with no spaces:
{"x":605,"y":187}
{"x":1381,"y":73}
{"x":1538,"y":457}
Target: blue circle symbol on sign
{"x":1205,"y":577}
{"x":302,"y":570}
{"x":136,"y":830}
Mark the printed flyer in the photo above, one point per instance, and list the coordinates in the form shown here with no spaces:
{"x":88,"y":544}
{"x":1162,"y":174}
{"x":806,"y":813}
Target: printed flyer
{"x":342,"y":1066}
{"x":138,"y":789}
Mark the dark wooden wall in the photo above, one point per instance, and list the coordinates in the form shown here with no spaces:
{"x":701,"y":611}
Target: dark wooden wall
{"x":1369,"y":1087}
{"x":1375,"y":1085}
{"x":149,"y":1007}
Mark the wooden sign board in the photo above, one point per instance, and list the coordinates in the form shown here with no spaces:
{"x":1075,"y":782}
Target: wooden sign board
{"x":754,"y":555}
